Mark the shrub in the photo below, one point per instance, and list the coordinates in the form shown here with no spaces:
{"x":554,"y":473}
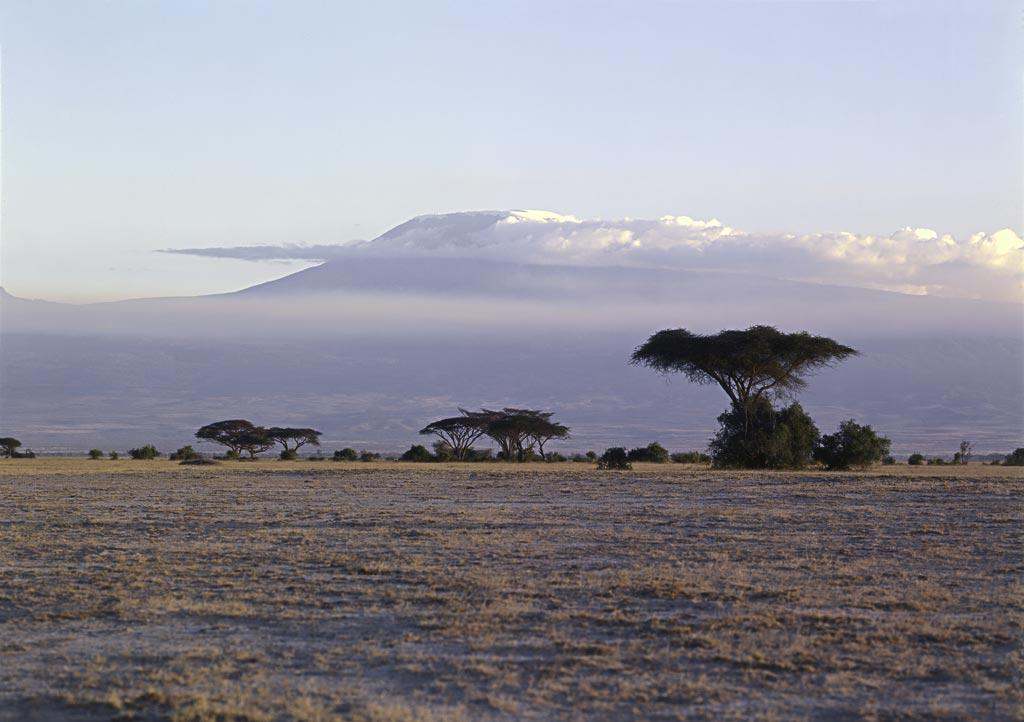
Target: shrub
{"x":184,"y":454}
{"x":614,"y":458}
{"x":690,"y":457}
{"x":553,"y":457}
{"x":114,"y":456}
{"x":479,"y":455}
{"x":653,"y":453}
{"x":937,"y":461}
{"x":1015,"y":458}
{"x":764,"y":438}
{"x":443,"y":451}
{"x":889,"y":461}
{"x":288,"y":455}
{"x":915,"y":459}
{"x":144,"y":452}
{"x":95,"y":454}
{"x":346,"y":454}
{"x":417,"y":452}
{"x":368,"y":456}
{"x":199,"y":461}
{"x":851,"y":445}
{"x":232,"y":455}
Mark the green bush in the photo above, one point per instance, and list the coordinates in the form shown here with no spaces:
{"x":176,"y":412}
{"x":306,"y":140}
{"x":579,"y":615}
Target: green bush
{"x":937,"y":461}
{"x":346,"y":454}
{"x":852,"y":445}
{"x":915,"y":459}
{"x":184,"y":454}
{"x":114,"y":456}
{"x":288,"y":455}
{"x":144,"y":452}
{"x":553,"y":457}
{"x":614,"y":458}
{"x":232,"y":455}
{"x":764,"y":438}
{"x":417,"y":452}
{"x":368,"y":456}
{"x":653,"y":453}
{"x":889,"y":461}
{"x":690,"y":457}
{"x":95,"y":454}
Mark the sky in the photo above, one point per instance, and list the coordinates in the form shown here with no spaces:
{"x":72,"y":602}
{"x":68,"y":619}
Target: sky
{"x":130,"y":127}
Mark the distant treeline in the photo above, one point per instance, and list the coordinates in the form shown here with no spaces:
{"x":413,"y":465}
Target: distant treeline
{"x":757,"y":368}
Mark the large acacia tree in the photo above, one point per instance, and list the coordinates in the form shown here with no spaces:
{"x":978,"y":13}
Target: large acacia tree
{"x":231,"y":433}
{"x":238,"y":435}
{"x":758,"y":363}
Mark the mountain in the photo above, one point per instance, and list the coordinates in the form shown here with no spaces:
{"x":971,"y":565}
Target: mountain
{"x":390,"y":333}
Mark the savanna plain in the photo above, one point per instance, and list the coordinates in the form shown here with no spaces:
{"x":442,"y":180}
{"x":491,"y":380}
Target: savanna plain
{"x":305,"y":590}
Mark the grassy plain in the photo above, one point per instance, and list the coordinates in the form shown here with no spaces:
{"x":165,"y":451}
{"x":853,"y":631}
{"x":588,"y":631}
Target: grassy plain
{"x":322,"y":591}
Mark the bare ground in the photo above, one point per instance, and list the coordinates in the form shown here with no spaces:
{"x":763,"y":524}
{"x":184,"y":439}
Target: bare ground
{"x":321,"y":591}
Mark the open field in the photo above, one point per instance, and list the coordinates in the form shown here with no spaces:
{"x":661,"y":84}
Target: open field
{"x":321,"y":591}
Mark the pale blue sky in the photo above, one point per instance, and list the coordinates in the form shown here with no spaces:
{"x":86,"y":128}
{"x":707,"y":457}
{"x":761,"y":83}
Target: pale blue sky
{"x":131,"y":126}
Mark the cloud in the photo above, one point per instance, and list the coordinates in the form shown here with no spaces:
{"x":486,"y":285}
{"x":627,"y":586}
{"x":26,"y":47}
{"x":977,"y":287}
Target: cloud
{"x":282,"y":252}
{"x":912,"y":260}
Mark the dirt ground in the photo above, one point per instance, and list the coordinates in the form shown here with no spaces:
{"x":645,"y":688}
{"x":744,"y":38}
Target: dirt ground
{"x":386,"y":592}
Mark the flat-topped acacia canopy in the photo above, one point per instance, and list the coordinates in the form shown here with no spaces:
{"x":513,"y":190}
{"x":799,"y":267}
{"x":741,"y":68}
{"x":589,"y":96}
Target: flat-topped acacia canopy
{"x":759,"y":362}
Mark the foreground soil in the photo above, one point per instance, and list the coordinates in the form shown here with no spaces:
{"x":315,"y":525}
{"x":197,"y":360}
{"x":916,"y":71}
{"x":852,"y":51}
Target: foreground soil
{"x":321,"y":591}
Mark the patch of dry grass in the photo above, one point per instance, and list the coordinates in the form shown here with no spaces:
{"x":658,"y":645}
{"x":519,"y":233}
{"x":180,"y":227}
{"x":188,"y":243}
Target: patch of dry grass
{"x":275,"y":590}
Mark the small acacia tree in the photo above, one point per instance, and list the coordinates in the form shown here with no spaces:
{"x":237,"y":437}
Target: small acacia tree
{"x":964,"y":454}
{"x":292,"y":439}
{"x":458,"y":432}
{"x":518,"y":431}
{"x":9,"y":446}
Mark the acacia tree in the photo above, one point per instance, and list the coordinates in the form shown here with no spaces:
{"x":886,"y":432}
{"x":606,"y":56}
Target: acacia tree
{"x":230,"y":433}
{"x":238,"y":435}
{"x":517,"y":431}
{"x":964,"y":454}
{"x":255,"y":441}
{"x":9,"y":446}
{"x":293,"y":439}
{"x":761,"y":362}
{"x":543,"y":430}
{"x":458,"y":432}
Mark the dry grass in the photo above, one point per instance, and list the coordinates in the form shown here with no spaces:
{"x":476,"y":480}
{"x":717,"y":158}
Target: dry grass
{"x":270,"y":591}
